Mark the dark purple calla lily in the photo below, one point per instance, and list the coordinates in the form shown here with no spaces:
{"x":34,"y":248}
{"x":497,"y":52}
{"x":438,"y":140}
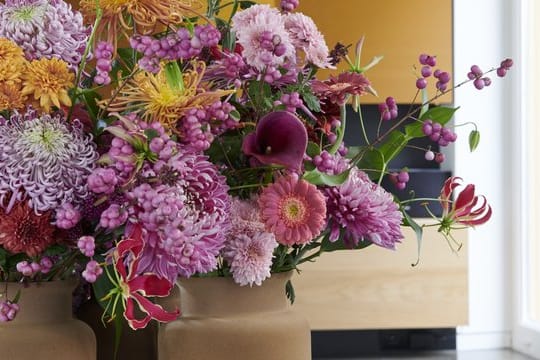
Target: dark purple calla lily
{"x":280,"y":138}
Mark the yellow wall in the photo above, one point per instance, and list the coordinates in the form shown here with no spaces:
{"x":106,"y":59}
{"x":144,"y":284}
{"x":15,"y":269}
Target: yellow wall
{"x":399,"y":30}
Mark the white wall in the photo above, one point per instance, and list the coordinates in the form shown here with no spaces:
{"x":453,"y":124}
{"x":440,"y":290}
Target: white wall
{"x":482,"y":36}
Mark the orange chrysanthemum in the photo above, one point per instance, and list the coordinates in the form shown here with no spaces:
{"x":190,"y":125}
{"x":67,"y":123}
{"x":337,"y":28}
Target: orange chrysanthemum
{"x":48,"y":81}
{"x":153,"y":98}
{"x":146,"y":14}
{"x":12,"y":62}
{"x":11,"y":96}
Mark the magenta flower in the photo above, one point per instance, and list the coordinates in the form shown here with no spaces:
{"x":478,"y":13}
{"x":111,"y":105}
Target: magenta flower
{"x":293,"y":209}
{"x":135,"y":287}
{"x":363,"y":211}
{"x":466,"y":209}
{"x":280,"y":138}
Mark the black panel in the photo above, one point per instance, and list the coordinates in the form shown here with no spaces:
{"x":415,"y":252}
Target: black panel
{"x":359,"y":343}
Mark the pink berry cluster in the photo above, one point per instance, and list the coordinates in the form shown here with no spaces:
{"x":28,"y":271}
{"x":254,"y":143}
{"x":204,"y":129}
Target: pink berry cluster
{"x":92,"y":271}
{"x":67,"y":216}
{"x":480,"y":81}
{"x":289,"y":5}
{"x":331,"y":164}
{"x":157,"y":207}
{"x":400,"y":179}
{"x":113,"y":217}
{"x":438,"y":133}
{"x":103,"y":53}
{"x":506,"y":64}
{"x":388,"y":109}
{"x":31,"y":269}
{"x":292,"y":101}
{"x":8,"y":311}
{"x":122,"y":154}
{"x":174,"y":46}
{"x":201,"y":126}
{"x":87,"y":245}
{"x":428,"y":62}
{"x":438,"y":157}
{"x":102,"y":181}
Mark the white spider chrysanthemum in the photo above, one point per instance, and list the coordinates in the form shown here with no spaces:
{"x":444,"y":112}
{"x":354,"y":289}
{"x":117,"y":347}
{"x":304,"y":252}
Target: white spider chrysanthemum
{"x":44,"y":160}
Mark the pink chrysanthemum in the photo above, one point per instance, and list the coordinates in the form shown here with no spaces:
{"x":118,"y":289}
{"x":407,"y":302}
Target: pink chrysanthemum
{"x":306,"y":37}
{"x":364,"y":211}
{"x":250,"y":258}
{"x":249,"y":248}
{"x":261,"y":32}
{"x":293,"y":209}
{"x":187,"y":218}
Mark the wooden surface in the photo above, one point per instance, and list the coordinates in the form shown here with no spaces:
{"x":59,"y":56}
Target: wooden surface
{"x":396,"y":29}
{"x":377,"y":288}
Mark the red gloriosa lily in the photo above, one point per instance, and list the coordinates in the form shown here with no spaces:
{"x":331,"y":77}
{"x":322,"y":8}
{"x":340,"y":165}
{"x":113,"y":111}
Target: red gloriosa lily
{"x":135,"y":288}
{"x":466,"y":209}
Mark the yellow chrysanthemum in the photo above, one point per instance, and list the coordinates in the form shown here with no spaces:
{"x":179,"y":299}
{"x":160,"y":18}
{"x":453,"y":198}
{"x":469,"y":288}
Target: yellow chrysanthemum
{"x":146,"y":14}
{"x":11,"y":97}
{"x":12,"y":61}
{"x":48,"y":81}
{"x":154,"y":99}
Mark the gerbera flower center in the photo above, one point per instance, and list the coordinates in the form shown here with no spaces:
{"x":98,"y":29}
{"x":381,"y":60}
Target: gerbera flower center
{"x":293,"y":210}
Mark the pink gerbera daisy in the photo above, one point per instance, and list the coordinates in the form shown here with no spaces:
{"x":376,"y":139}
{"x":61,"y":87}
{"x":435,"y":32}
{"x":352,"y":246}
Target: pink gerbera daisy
{"x":293,"y":209}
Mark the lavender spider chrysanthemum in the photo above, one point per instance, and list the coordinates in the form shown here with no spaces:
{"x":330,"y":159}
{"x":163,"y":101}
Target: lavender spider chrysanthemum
{"x":45,"y":29}
{"x":44,"y":160}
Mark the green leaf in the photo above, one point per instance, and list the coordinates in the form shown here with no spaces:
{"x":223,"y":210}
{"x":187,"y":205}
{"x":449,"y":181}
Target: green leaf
{"x":439,"y":114}
{"x":311,"y":101}
{"x":373,"y":163}
{"x":339,"y":244}
{"x":244,"y":4}
{"x":289,"y":290}
{"x":235,"y":115}
{"x":313,"y":149}
{"x":409,"y":221}
{"x":393,"y":145}
{"x":425,"y":101}
{"x":151,"y":133}
{"x":474,"y":140}
{"x":318,"y":178}
{"x":101,"y":287}
{"x":118,"y":327}
{"x":90,"y":99}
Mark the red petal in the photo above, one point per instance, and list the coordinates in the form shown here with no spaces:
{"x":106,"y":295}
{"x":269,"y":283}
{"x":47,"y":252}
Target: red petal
{"x":150,"y":285}
{"x":479,"y":221}
{"x":155,"y":311}
{"x":130,"y":316}
{"x":465,"y":197}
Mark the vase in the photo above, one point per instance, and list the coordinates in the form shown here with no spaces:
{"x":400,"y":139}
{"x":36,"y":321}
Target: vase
{"x":45,"y":328}
{"x":134,"y":344}
{"x":223,"y":320}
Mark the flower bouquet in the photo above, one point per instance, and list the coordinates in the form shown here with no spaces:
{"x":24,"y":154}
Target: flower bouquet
{"x":144,"y":141}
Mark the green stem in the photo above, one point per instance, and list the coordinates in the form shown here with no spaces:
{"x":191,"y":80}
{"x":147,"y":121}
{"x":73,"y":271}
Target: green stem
{"x":99,"y":14}
{"x":341,"y":132}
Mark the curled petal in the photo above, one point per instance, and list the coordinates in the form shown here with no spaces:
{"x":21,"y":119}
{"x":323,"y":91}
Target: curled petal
{"x":280,"y":138}
{"x":152,"y":311}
